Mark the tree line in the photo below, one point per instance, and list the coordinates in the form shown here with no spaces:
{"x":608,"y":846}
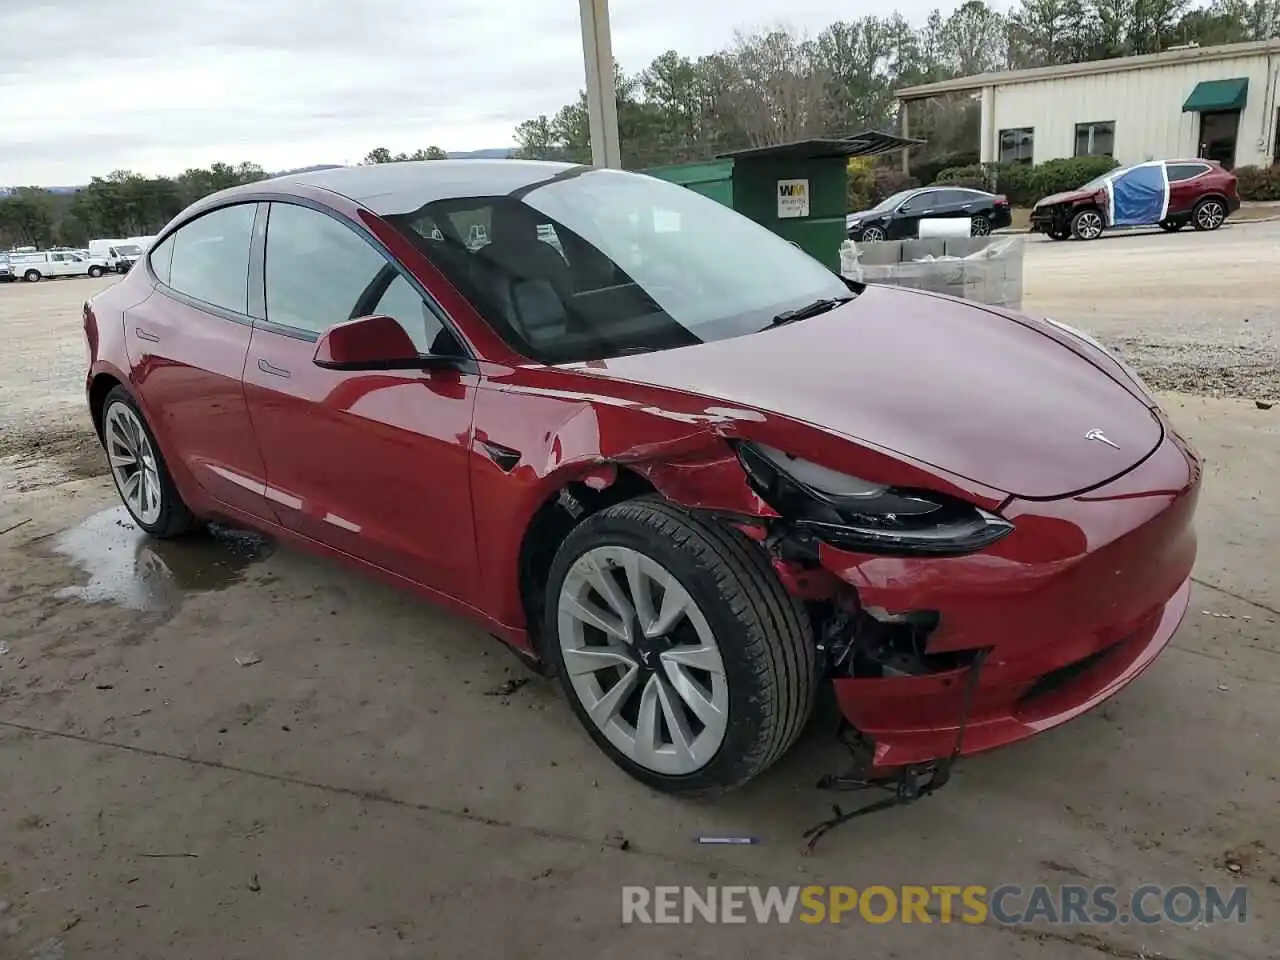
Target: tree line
{"x":130,"y":204}
{"x":777,"y":85}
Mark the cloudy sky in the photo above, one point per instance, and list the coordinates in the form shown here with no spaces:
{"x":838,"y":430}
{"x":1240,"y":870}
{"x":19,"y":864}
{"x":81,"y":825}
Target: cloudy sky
{"x":157,"y":86}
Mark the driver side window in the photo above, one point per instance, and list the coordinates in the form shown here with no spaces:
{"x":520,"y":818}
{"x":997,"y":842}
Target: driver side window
{"x":320,"y":272}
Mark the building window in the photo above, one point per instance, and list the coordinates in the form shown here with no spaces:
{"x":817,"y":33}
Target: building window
{"x":1096,"y":139}
{"x":1016,"y":145}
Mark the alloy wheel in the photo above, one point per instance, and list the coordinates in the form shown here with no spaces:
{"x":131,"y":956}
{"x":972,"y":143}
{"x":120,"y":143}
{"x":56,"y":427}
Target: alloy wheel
{"x":872,"y":235}
{"x":980,"y":227}
{"x":133,"y":463}
{"x":642,"y":660}
{"x":1088,"y":225}
{"x":1210,"y":215}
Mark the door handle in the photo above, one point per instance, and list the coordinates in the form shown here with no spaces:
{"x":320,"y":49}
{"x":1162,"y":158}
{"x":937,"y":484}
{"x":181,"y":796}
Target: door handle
{"x":272,"y":369}
{"x":145,"y":335}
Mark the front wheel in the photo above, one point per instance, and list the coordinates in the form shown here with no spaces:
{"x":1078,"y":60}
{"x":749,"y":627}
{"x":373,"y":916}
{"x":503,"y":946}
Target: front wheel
{"x":873,"y":235}
{"x":1209,"y":214}
{"x":1086,"y":225}
{"x":678,"y":648}
{"x":141,"y":476}
{"x":31,"y":276}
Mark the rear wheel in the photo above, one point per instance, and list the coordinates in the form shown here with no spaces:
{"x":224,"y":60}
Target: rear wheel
{"x":141,"y":476}
{"x":95,"y":272}
{"x":31,"y":276}
{"x":1209,"y":214}
{"x":979,"y":226}
{"x":678,"y":648}
{"x":1086,"y":225}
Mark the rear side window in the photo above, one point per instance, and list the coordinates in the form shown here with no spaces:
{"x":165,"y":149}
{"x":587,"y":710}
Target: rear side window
{"x":210,"y":258}
{"x":1185,"y":171}
{"x":320,"y":272}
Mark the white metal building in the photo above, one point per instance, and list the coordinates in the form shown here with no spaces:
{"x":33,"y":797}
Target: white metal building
{"x":1215,"y":102}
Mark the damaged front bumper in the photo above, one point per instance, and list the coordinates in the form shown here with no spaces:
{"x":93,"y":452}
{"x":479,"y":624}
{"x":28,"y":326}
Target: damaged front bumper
{"x":1066,"y":611}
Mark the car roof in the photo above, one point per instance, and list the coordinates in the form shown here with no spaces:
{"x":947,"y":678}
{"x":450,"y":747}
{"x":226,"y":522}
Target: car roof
{"x":387,"y":188}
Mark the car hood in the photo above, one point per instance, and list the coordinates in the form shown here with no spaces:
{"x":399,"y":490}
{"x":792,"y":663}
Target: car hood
{"x":938,"y":380}
{"x":864,"y":215}
{"x":1069,"y":196}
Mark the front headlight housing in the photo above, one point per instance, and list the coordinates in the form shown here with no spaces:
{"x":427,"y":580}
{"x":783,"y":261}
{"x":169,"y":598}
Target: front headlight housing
{"x":855,"y":514}
{"x":1097,"y":345}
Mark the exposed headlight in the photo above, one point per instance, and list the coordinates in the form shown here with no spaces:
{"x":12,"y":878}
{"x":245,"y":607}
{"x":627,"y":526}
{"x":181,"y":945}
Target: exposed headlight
{"x":1093,"y":342}
{"x":868,"y":517}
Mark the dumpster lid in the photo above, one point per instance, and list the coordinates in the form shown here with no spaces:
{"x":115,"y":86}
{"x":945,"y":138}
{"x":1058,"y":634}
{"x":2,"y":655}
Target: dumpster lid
{"x":864,"y":144}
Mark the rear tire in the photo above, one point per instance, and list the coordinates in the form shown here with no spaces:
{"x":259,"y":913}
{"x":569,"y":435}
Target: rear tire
{"x":1209,"y":214}
{"x":152,"y":499}
{"x":95,"y":272}
{"x":733,"y":611}
{"x":31,"y":276}
{"x":1086,"y":224}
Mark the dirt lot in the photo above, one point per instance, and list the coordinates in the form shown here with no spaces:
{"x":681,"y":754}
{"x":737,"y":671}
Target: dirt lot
{"x":1194,"y":312}
{"x":374,"y":786}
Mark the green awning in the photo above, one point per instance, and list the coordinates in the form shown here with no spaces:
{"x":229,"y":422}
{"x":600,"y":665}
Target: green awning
{"x":1210,"y":95}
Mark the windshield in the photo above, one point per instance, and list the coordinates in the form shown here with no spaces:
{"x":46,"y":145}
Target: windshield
{"x":892,"y":201}
{"x":600,"y":263}
{"x":1097,"y":182}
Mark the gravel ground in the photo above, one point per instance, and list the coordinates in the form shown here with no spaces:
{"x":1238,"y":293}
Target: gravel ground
{"x":1194,"y":312}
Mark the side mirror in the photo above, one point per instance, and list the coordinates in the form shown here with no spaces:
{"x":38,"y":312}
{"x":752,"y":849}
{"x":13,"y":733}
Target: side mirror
{"x":368,"y":343}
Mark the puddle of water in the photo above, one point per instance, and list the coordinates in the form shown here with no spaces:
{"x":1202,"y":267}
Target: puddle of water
{"x":133,"y":570}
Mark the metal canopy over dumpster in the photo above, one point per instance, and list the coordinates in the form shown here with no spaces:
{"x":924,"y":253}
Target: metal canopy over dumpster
{"x":797,"y":190}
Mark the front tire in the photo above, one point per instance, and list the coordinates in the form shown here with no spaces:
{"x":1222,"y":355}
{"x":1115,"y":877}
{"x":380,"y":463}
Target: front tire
{"x":873,"y":235}
{"x":31,"y":276}
{"x":141,"y":476}
{"x":678,"y":648}
{"x":1086,"y":225}
{"x":1209,"y":214}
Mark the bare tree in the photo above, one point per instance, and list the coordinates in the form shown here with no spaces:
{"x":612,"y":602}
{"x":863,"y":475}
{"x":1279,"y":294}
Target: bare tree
{"x":777,"y":87}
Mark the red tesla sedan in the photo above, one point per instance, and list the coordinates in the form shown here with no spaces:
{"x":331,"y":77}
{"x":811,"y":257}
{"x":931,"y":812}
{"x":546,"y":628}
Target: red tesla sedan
{"x":660,"y":452}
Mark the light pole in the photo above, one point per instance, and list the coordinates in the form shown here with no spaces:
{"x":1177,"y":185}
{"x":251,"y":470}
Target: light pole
{"x":602,"y":103}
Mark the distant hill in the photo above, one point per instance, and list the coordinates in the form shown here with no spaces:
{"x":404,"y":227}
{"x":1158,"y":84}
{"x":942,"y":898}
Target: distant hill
{"x":489,"y":153}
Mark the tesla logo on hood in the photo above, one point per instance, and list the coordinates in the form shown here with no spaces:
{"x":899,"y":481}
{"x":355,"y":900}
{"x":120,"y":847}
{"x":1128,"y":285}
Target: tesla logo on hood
{"x":1097,"y":434}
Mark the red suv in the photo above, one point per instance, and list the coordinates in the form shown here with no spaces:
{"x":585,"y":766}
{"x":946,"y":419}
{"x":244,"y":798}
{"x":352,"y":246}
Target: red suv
{"x":1165,"y":193}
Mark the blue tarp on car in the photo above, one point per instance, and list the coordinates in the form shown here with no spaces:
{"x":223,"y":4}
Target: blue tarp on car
{"x":1138,"y":195}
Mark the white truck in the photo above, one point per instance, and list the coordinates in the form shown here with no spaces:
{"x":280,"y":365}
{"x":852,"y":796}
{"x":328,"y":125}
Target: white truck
{"x":36,"y":265}
{"x":119,"y":254}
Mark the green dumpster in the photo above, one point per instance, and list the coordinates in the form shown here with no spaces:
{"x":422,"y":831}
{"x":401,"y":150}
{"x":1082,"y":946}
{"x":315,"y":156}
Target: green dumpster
{"x":797,"y":190}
